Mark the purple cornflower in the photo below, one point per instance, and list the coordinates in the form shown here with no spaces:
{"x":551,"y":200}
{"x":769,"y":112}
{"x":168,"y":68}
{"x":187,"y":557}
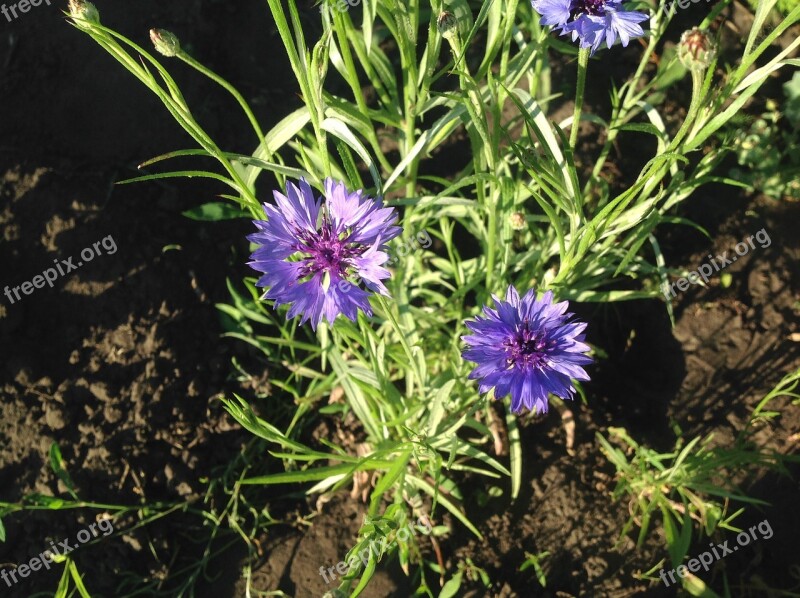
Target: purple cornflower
{"x":315,"y":256}
{"x":591,"y":21}
{"x":527,"y":348}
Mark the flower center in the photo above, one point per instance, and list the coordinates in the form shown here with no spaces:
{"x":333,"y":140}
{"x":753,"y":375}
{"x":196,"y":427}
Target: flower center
{"x":527,"y":348}
{"x":325,"y":252}
{"x":587,"y":7}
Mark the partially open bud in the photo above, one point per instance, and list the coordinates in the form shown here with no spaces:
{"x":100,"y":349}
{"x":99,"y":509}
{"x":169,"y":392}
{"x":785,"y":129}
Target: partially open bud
{"x":80,"y":9}
{"x":447,"y":24}
{"x":166,"y":43}
{"x":696,"y":50}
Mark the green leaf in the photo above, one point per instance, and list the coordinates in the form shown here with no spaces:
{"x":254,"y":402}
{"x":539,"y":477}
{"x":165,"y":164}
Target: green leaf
{"x":792,"y":88}
{"x":187,"y":174}
{"x":697,"y":587}
{"x":387,"y":480}
{"x":57,"y":463}
{"x":369,"y":571}
{"x":211,"y":212}
{"x":515,"y":448}
{"x":242,"y":413}
{"x":280,"y":135}
{"x":677,"y":540}
{"x":339,"y":129}
{"x":63,"y":584}
{"x":437,"y":411}
{"x":446,"y":502}
{"x":76,"y":578}
{"x":429,"y":140}
{"x":792,"y":106}
{"x":451,"y":588}
{"x":537,"y":120}
{"x":354,"y":393}
{"x":563,"y":47}
{"x":319,"y":473}
{"x":640,"y":128}
{"x":763,"y":9}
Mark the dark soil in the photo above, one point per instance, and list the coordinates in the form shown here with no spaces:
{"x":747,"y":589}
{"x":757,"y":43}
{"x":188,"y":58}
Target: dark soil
{"x":121,"y":362}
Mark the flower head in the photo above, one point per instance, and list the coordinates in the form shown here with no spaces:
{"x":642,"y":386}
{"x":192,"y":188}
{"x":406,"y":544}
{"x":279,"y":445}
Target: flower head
{"x":447,"y":24}
{"x":591,"y":21}
{"x":527,"y":348}
{"x":696,"y":50}
{"x":165,"y":42}
{"x":517,"y":221}
{"x":316,"y":256}
{"x":80,"y":9}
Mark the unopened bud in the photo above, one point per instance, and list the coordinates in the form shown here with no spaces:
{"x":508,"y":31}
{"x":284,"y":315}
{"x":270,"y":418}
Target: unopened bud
{"x":166,"y":43}
{"x":517,"y":220}
{"x":447,"y":24}
{"x":80,"y":9}
{"x":696,"y":49}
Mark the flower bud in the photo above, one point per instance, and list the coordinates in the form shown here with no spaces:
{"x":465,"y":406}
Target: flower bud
{"x":80,"y":9}
{"x":166,"y":43}
{"x":517,"y":220}
{"x":447,"y":24}
{"x":696,"y":50}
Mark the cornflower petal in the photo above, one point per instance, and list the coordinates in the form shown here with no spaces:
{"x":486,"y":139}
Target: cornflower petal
{"x":528,"y":348}
{"x":314,"y":256}
{"x":591,"y":22}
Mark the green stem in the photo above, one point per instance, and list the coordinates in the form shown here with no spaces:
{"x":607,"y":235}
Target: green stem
{"x":403,"y":341}
{"x":491,"y":242}
{"x":171,"y":98}
{"x":351,"y":75}
{"x":626,"y":111}
{"x":694,"y":108}
{"x":227,"y":86}
{"x":474,"y":103}
{"x":409,"y":128}
{"x":583,"y":63}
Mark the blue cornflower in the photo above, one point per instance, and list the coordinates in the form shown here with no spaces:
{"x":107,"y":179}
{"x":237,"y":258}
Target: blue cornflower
{"x":316,"y":256}
{"x":527,"y":348}
{"x":591,"y":21}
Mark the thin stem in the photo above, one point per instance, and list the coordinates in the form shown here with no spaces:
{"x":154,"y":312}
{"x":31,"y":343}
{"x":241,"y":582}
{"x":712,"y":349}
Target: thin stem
{"x":694,"y":109}
{"x":351,"y":74}
{"x":474,"y":102}
{"x":408,"y":60}
{"x":291,"y":41}
{"x":403,"y":341}
{"x":583,"y":63}
{"x":171,"y":98}
{"x":697,"y":96}
{"x":626,"y":110}
{"x":230,"y":88}
{"x":491,"y":242}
